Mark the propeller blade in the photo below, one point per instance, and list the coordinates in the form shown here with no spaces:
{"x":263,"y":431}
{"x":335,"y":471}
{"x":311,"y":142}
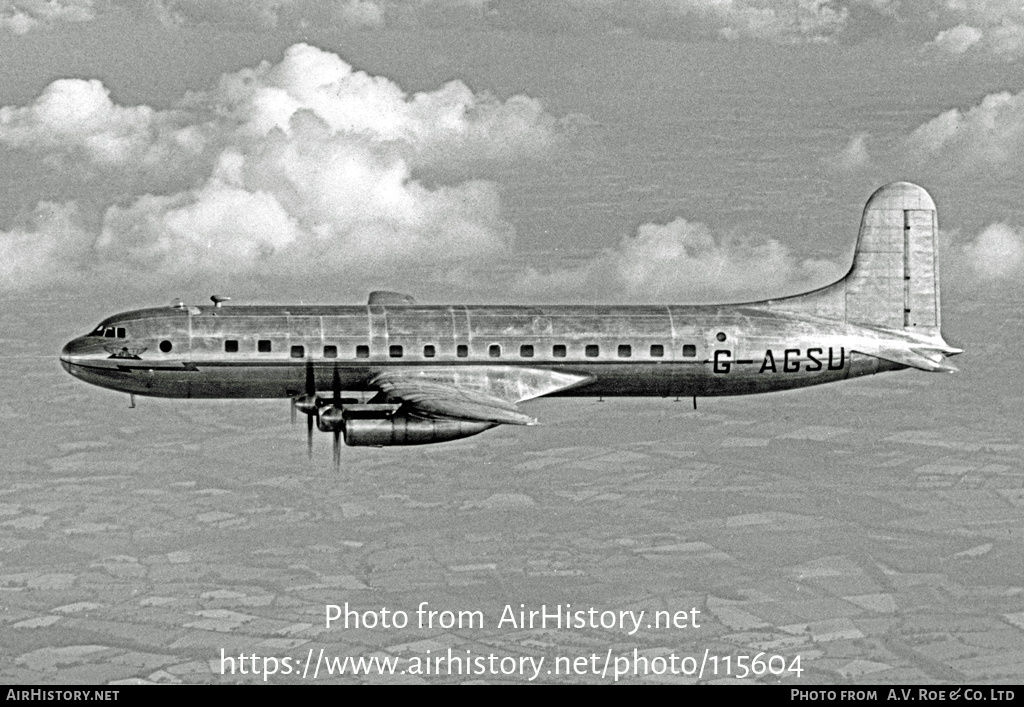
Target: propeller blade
{"x":337,"y":449}
{"x":336,"y":395}
{"x":293,"y":411}
{"x":309,"y":435}
{"x":310,"y":378}
{"x":336,"y":386}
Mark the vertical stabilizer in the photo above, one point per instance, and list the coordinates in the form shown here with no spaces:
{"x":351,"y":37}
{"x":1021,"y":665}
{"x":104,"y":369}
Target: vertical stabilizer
{"x":894,"y":280}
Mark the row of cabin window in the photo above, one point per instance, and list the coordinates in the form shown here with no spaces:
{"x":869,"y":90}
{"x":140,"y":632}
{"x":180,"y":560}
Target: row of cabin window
{"x":462,"y":350}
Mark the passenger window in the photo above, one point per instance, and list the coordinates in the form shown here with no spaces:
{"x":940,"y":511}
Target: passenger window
{"x":689,"y":350}
{"x":526,"y":350}
{"x":120,"y":332}
{"x":462,"y":351}
{"x":558,"y":350}
{"x":362,"y":351}
{"x":592,"y":350}
{"x":395,"y":351}
{"x":429,"y":351}
{"x":166,"y":346}
{"x":657,"y":350}
{"x":494,"y":351}
{"x":298,"y":352}
{"x":231,"y":346}
{"x":330,"y":352}
{"x":263,"y":345}
{"x":625,"y":350}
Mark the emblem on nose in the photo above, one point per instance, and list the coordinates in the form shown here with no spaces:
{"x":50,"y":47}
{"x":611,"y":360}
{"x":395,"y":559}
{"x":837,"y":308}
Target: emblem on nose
{"x":125,"y":352}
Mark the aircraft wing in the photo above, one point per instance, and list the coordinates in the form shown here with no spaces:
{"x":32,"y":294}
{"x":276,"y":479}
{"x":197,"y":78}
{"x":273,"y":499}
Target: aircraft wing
{"x":481,"y":393}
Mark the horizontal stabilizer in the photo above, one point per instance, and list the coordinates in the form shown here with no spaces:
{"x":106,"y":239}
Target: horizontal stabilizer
{"x":929,"y":360}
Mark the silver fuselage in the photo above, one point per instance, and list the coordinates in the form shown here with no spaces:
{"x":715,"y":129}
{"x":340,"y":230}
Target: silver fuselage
{"x":187,"y":352}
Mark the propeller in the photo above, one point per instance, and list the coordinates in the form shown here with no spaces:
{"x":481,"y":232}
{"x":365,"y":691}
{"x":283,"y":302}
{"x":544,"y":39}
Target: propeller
{"x":308,"y":404}
{"x":336,"y":401}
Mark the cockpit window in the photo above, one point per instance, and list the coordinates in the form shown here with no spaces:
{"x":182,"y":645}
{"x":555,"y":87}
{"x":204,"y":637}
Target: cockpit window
{"x":109,"y":332}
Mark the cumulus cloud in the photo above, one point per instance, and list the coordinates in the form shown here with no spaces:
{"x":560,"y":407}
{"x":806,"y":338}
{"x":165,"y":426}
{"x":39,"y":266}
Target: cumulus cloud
{"x":1003,"y":41}
{"x":299,"y":203}
{"x":785,"y":21}
{"x":684,"y":261}
{"x":990,"y":133}
{"x":21,"y":16}
{"x":986,"y":29}
{"x":75,"y":120}
{"x":991,"y":29}
{"x":773,"y":20}
{"x":75,"y":124}
{"x":997,"y":253}
{"x":986,"y":140}
{"x":270,"y":14}
{"x":803,"y":20}
{"x":302,"y":165}
{"x":451,"y":122}
{"x":957,"y":40}
{"x":53,"y":237}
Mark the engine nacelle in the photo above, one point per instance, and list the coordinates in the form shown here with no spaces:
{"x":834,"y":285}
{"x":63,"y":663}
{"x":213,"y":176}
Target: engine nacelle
{"x":399,"y":429}
{"x":333,"y":418}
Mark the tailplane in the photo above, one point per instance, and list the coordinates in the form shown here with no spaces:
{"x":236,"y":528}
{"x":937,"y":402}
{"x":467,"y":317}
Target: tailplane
{"x":894,"y":280}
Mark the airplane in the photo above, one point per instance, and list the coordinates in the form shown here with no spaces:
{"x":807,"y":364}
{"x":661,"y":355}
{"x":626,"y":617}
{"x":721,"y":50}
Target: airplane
{"x":395,"y":372}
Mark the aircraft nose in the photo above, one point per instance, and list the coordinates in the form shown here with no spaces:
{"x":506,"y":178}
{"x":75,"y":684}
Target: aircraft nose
{"x":73,"y":352}
{"x":66,"y":354}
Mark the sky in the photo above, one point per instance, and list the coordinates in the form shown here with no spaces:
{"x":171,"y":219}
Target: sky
{"x":568,"y":151}
{"x":530,"y":151}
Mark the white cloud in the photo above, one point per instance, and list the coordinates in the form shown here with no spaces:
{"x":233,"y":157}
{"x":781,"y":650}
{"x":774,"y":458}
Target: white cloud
{"x":304,"y":165}
{"x":76,"y":118}
{"x":682,"y":261}
{"x":72,"y":114}
{"x":301,"y":202}
{"x":990,"y":29}
{"x":773,"y":20}
{"x":49,"y":246}
{"x":785,"y":21}
{"x":79,"y":130}
{"x":986,"y":29}
{"x":360,"y":13}
{"x":21,"y":16}
{"x":990,"y":134}
{"x":985,"y":141}
{"x":997,"y":252}
{"x":957,"y":40}
{"x":1003,"y":41}
{"x":17,"y":22}
{"x":270,"y":14}
{"x":451,"y":122}
{"x":801,"y":20}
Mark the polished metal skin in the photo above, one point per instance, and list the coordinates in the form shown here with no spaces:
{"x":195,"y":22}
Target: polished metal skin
{"x":397,"y":372}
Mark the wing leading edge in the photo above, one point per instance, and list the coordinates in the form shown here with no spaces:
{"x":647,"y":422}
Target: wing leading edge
{"x":479,"y":394}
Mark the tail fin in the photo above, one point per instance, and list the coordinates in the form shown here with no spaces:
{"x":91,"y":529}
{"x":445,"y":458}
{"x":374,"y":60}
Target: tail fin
{"x":894,"y":280}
